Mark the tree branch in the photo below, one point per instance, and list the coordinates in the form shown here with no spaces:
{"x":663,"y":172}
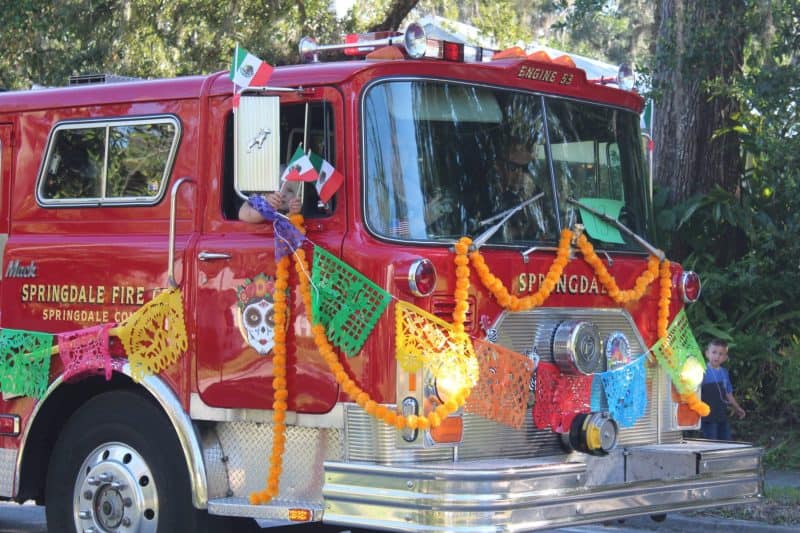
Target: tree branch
{"x":397,"y":12}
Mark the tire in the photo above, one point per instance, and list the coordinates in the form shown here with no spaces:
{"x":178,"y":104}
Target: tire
{"x":118,"y":465}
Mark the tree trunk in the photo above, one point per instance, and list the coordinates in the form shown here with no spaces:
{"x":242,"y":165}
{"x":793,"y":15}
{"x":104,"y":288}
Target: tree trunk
{"x":697,"y":43}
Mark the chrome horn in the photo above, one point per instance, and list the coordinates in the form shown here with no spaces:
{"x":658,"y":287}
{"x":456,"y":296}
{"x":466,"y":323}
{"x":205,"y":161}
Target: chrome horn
{"x":413,"y":40}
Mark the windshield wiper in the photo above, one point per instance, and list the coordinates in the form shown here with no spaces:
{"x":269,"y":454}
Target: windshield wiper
{"x":622,"y":227}
{"x":481,"y":239}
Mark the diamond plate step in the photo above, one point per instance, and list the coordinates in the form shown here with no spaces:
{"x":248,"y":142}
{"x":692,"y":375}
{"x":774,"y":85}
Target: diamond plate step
{"x":277,"y":511}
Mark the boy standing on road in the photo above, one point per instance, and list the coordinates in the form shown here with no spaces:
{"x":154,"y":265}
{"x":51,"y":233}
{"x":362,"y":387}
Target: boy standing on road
{"x":717,"y":392}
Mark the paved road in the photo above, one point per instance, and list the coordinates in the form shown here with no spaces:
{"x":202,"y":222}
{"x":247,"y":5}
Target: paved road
{"x":30,"y":519}
{"x":26,"y":518}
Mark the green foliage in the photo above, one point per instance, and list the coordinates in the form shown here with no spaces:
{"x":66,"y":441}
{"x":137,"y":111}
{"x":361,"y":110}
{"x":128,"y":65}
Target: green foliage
{"x":45,"y":42}
{"x":618,"y":31}
{"x":505,"y":22}
{"x":781,"y":450}
{"x":745,"y":242}
{"x":750,"y":295}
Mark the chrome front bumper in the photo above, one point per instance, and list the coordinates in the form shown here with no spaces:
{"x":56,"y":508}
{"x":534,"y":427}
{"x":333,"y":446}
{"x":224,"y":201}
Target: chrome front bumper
{"x":523,"y":495}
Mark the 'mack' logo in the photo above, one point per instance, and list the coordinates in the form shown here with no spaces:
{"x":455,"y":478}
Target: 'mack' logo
{"x":16,"y":270}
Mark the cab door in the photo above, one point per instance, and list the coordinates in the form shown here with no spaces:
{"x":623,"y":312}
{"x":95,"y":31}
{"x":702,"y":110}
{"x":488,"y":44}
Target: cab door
{"x":236,"y":274}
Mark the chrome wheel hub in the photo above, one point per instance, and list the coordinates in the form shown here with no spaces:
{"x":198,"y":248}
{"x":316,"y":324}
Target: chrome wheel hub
{"x":115,"y":491}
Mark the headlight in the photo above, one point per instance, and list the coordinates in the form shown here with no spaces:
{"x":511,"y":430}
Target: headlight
{"x":692,"y":374}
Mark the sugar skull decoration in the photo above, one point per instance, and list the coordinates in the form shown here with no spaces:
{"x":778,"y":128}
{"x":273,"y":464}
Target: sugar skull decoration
{"x":257,"y":307}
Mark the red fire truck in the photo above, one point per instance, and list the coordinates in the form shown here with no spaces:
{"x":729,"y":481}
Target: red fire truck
{"x":112,"y":192}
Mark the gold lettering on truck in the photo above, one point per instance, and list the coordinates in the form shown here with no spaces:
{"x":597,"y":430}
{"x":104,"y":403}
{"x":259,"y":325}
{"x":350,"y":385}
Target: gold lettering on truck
{"x":567,"y":284}
{"x":66,"y":294}
{"x":527,"y":72}
{"x":60,"y":296}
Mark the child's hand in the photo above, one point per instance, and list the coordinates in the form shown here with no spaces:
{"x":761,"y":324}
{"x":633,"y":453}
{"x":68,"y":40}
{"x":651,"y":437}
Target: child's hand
{"x":275,"y":200}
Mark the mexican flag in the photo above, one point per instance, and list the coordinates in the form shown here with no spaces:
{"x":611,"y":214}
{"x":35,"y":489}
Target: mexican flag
{"x":299,"y":168}
{"x":248,"y":70}
{"x":329,"y":179}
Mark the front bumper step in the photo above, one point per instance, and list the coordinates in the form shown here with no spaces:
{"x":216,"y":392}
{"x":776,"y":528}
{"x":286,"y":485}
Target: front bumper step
{"x":524,"y":495}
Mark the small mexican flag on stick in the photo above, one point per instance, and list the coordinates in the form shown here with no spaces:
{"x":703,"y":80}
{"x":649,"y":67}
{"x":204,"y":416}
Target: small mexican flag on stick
{"x":299,"y":168}
{"x":329,"y":179}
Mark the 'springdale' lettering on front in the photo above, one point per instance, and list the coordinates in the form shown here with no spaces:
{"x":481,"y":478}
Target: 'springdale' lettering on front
{"x":568,"y":284}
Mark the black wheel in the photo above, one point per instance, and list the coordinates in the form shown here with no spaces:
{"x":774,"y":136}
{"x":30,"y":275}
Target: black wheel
{"x":660,"y":517}
{"x":118,"y":465}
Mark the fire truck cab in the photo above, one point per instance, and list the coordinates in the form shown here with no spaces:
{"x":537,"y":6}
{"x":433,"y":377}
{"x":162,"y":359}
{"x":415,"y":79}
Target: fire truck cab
{"x":114,"y":192}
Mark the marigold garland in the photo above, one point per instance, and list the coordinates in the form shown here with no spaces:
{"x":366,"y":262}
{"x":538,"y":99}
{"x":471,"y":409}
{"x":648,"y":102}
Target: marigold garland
{"x":461,"y":292}
{"x":621,"y":297}
{"x":356,"y":393}
{"x":513,"y":303}
{"x":280,"y":393}
{"x":690,"y":399}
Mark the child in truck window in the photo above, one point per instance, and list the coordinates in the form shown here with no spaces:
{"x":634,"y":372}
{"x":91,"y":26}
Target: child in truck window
{"x":717,"y":392}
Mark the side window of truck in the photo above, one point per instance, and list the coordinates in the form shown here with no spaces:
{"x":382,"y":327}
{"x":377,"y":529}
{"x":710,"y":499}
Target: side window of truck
{"x":111,"y":162}
{"x":292,"y":132}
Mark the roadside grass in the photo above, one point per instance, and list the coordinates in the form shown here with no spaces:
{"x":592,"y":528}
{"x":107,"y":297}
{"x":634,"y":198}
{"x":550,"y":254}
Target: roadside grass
{"x":779,"y":438}
{"x":781,"y":451}
{"x":780,"y":505}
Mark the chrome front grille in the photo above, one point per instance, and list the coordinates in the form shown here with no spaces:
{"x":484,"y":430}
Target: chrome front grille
{"x":372,"y":441}
{"x":531,"y":331}
{"x":525,"y":330}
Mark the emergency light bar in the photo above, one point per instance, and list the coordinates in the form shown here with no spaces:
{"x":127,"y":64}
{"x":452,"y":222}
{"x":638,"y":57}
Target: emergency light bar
{"x":414,"y":40}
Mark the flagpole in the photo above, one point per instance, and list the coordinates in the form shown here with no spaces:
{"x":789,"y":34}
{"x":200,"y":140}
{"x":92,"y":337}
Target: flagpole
{"x":235,"y":55}
{"x":305,"y":130}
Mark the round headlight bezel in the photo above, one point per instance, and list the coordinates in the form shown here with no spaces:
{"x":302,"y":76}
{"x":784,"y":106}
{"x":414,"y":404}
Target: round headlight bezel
{"x":690,"y":286}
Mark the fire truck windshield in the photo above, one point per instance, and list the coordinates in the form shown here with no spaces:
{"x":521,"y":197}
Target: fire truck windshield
{"x":443,"y":158}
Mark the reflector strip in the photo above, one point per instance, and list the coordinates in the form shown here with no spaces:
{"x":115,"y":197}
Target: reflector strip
{"x":9,"y":425}
{"x":300,"y":515}
{"x":450,"y":430}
